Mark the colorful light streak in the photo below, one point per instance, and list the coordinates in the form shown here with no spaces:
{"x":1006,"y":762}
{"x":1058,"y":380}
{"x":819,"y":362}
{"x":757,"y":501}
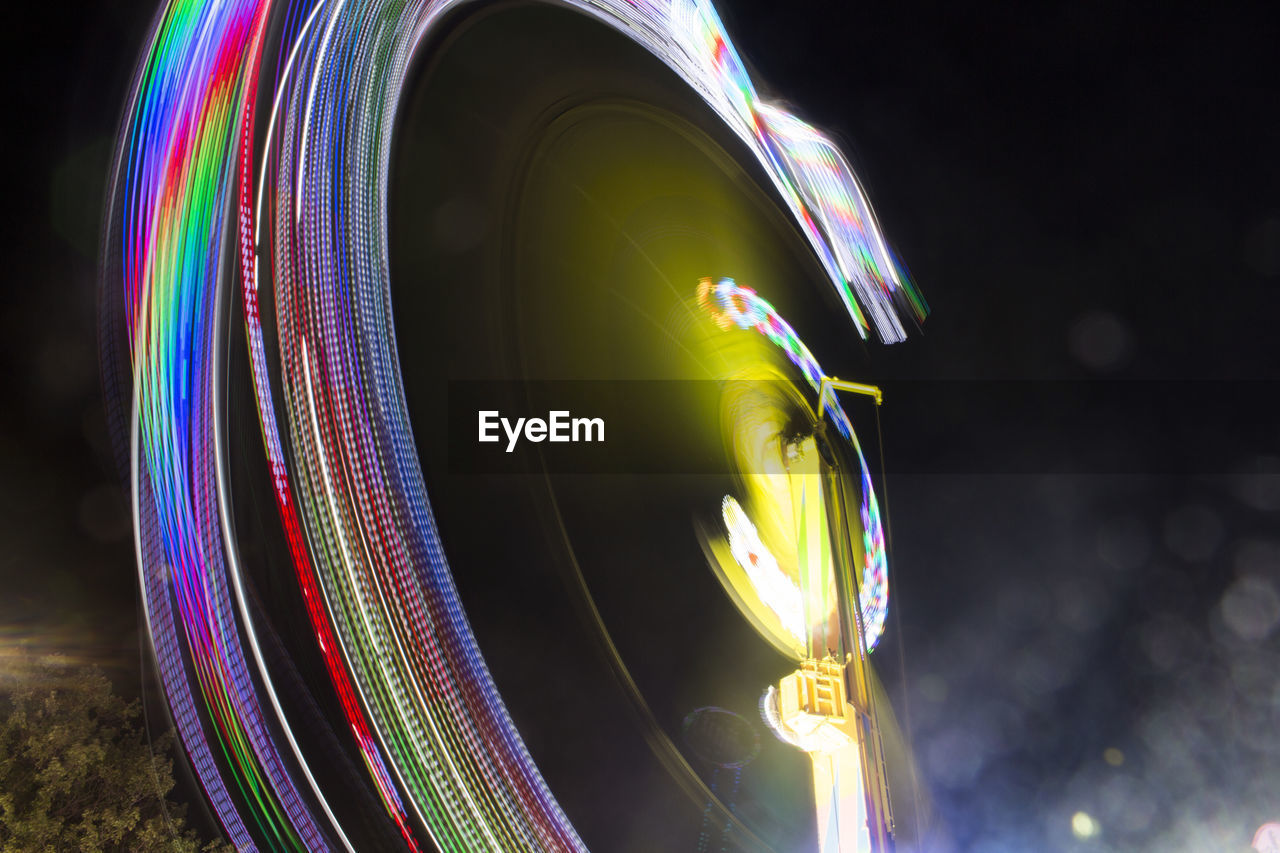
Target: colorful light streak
{"x":436,"y":741}
{"x":734,"y":306}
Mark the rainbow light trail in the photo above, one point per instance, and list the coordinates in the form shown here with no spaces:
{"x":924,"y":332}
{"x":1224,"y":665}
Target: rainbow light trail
{"x":732,"y":305}
{"x":304,"y":206}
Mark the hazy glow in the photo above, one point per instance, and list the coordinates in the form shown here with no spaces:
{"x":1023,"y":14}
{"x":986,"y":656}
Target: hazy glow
{"x":1267,"y":838}
{"x":1083,"y":825}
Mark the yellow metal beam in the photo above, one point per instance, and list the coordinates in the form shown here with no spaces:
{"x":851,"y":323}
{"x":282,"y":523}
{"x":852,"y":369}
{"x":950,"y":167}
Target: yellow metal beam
{"x":852,"y":387}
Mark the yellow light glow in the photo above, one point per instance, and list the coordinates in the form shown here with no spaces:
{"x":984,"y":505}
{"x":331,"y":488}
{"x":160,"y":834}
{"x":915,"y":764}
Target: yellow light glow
{"x":1083,"y":825}
{"x":772,"y":551}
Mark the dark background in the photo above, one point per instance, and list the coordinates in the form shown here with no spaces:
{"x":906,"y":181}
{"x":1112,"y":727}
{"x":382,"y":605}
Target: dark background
{"x":1084,"y":192}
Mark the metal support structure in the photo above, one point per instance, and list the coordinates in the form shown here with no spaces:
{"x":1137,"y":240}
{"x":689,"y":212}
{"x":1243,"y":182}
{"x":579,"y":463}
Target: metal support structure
{"x":826,"y":707}
{"x":847,"y":559}
{"x":832,"y":383}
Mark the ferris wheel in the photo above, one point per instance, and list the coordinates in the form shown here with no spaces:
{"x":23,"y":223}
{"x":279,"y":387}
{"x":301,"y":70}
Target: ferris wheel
{"x":248,"y":275}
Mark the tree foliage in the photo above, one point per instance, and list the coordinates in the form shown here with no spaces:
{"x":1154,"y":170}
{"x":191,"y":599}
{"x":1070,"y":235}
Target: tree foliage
{"x":76,"y":771}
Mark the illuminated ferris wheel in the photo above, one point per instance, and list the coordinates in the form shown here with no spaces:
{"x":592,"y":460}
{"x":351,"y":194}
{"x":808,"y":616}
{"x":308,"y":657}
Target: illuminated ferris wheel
{"x":252,"y":181}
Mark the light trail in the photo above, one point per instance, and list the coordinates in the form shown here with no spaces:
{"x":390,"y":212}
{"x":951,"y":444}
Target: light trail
{"x":733,"y":306}
{"x":436,"y":741}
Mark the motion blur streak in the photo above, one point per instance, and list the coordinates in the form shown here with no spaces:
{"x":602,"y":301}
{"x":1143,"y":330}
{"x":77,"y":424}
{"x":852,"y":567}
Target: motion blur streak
{"x":732,"y":305}
{"x":775,"y":588}
{"x":192,"y":177}
{"x":179,"y":147}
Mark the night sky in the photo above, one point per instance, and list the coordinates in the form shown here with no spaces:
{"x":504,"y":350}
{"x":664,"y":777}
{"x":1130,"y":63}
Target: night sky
{"x":1083,"y":465}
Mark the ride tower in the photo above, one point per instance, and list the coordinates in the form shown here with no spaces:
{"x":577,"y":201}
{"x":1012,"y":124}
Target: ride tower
{"x":826,"y":706}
